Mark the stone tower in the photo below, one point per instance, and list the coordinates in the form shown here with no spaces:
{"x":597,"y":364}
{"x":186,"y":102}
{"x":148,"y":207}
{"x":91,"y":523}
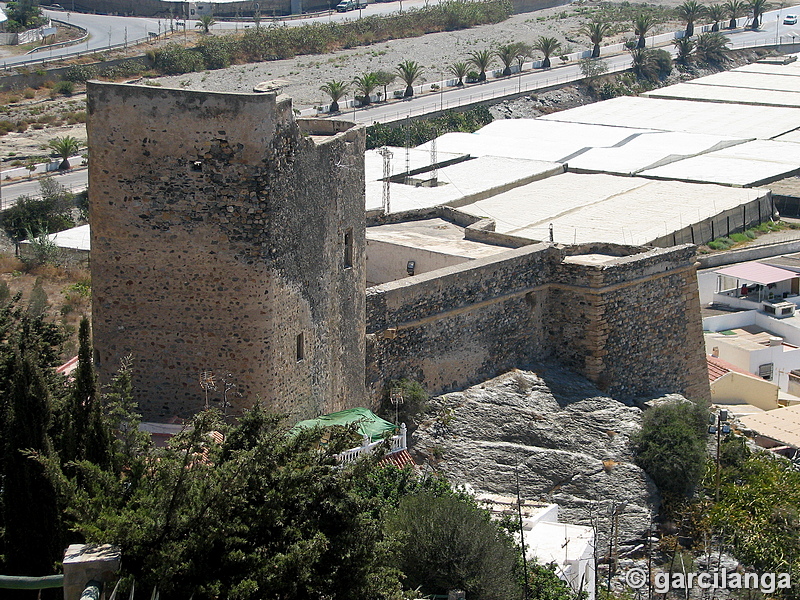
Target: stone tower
{"x":227,"y":237}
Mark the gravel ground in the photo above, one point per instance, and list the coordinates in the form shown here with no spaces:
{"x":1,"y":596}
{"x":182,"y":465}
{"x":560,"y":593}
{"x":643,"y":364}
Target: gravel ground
{"x":305,"y":74}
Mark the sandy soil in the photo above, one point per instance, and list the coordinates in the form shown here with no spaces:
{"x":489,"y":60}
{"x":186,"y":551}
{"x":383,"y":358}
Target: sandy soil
{"x":305,"y":74}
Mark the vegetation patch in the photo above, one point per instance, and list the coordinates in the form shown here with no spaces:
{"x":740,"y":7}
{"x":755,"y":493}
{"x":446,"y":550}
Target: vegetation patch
{"x":419,"y":132}
{"x":278,"y":42}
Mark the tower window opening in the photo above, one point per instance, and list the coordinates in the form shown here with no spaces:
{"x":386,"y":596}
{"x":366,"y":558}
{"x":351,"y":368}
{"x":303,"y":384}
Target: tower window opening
{"x":301,"y":347}
{"x":348,"y":248}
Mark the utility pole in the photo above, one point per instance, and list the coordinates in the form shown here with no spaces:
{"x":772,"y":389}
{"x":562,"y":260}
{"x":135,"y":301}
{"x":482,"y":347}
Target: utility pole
{"x":522,"y":538}
{"x":387,"y":172}
{"x":719,"y":425}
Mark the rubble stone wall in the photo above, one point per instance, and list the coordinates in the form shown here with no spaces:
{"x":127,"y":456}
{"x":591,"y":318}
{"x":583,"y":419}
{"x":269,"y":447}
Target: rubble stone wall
{"x":630,"y":324}
{"x":226,"y":237}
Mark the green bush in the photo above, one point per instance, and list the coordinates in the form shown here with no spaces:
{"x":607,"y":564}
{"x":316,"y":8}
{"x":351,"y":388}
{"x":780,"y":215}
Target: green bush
{"x":128,"y":68}
{"x":174,"y":59}
{"x":414,"y":400}
{"x":64,"y":88}
{"x":38,"y":304}
{"x":42,"y":251}
{"x":671,"y":447}
{"x":80,"y":73}
{"x":425,"y":130}
{"x":216,"y":52}
{"x":448,"y":543}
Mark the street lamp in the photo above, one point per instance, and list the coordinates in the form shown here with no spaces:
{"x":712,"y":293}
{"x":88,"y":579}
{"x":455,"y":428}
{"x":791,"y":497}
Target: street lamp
{"x":718,"y":424}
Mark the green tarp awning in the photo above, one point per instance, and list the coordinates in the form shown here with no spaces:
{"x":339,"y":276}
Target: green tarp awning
{"x":367,"y":423}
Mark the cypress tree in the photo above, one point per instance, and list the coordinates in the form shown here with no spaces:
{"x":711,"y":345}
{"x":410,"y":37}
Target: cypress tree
{"x":33,"y":540}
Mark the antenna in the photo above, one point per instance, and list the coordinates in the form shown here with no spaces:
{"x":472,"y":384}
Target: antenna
{"x":434,"y":164}
{"x":207,"y":383}
{"x":387,"y":157}
{"x":408,"y":146}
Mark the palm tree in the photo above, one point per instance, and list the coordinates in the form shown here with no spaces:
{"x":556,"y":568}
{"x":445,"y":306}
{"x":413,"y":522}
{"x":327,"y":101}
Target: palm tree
{"x":65,"y":147}
{"x":685,"y":47}
{"x":385,"y":79}
{"x":523,"y":51}
{"x":507,"y":53}
{"x":712,"y":48}
{"x":642,"y":64}
{"x":716,"y":12}
{"x":459,"y":70}
{"x":690,"y":11}
{"x":642,"y":24}
{"x":481,"y":60}
{"x":734,"y":10}
{"x":595,"y":31}
{"x":365,"y":84}
{"x":206,"y":22}
{"x":547,"y":46}
{"x":758,"y":7}
{"x":409,"y":72}
{"x":336,"y":90}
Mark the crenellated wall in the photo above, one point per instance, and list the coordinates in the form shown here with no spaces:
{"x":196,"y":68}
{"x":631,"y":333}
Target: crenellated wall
{"x":226,"y":237}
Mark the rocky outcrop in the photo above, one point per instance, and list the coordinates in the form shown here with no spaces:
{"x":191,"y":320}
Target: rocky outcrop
{"x":569,"y":442}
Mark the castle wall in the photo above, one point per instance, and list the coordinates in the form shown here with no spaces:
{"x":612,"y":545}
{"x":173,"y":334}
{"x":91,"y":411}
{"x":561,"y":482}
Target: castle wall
{"x":226,"y":236}
{"x":630,"y":324}
{"x":462,"y":324}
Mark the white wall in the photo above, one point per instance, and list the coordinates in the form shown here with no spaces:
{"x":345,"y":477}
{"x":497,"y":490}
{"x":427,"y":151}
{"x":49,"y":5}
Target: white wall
{"x":387,"y":261}
{"x":784,"y":358}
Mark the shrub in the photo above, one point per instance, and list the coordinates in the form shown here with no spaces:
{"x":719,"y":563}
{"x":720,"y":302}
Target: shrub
{"x":414,"y":400}
{"x":671,"y":447}
{"x":80,"y":73}
{"x":446,"y":543}
{"x":38,"y":304}
{"x":174,"y":59}
{"x":424,"y":130}
{"x":64,"y":88}
{"x":592,"y":68}
{"x":42,"y":251}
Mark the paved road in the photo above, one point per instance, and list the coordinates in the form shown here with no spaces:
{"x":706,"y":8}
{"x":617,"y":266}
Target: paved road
{"x":530,"y":80}
{"x":106,"y":32}
{"x":109,"y":31}
{"x":538,"y":79}
{"x":75,"y":180}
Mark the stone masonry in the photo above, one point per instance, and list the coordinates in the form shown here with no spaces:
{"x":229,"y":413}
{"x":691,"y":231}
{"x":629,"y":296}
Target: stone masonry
{"x":227,"y":237}
{"x":627,"y":318}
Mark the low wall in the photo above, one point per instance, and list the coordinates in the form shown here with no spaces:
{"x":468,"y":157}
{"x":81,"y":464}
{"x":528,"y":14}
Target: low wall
{"x":734,"y":220}
{"x":730,"y":257}
{"x":459,"y":325}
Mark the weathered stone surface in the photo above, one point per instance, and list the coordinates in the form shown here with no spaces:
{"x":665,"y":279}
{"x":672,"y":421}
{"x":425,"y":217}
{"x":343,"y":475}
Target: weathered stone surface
{"x":227,"y":237}
{"x":630,"y":323}
{"x":570,"y":442}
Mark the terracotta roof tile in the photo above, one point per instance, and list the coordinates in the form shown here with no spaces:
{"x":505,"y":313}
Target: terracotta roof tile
{"x":399,"y":459}
{"x":718,"y":367}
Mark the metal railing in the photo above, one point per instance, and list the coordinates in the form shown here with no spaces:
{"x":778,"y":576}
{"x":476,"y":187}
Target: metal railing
{"x":396,"y":444}
{"x":12,"y":582}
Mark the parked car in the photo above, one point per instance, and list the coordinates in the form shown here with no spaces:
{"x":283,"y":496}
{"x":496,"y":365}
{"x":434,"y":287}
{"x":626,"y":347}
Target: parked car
{"x":346,"y":5}
{"x":790,"y":20}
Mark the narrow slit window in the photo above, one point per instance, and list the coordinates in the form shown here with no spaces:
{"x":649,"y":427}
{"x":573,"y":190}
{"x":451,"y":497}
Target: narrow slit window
{"x":348,"y":248}
{"x":301,"y":347}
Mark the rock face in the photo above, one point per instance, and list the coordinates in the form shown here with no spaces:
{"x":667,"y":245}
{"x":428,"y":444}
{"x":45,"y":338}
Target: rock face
{"x":571,"y":444}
